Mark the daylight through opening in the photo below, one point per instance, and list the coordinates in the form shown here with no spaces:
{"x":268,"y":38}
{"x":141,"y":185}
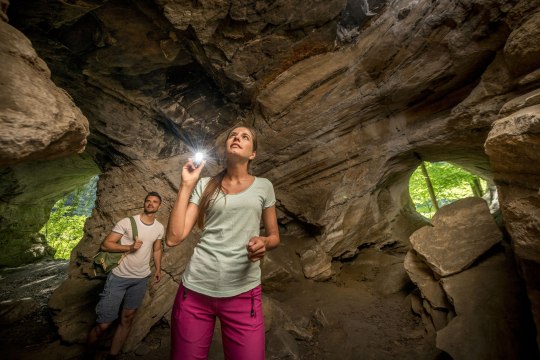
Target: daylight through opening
{"x":433,"y":185}
{"x":65,"y":226}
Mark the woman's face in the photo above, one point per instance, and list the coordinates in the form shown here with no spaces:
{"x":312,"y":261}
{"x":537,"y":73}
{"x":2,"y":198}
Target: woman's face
{"x":240,"y":143}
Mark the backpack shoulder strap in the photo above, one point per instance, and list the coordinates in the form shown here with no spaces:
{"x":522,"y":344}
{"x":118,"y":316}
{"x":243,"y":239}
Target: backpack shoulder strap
{"x":134,"y":230}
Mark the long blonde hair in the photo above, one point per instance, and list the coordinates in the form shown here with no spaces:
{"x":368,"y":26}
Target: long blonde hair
{"x":214,"y":186}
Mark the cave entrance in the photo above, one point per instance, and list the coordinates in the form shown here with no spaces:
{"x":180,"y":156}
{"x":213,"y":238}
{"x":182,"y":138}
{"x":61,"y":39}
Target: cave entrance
{"x":433,"y":185}
{"x":65,"y":226}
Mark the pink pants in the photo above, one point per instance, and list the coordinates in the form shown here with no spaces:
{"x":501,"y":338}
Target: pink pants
{"x":242,"y":325}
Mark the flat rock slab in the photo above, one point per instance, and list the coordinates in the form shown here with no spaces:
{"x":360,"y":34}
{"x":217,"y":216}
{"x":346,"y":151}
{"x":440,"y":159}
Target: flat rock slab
{"x":461,"y":233}
{"x":493,"y":321}
{"x":422,"y":276}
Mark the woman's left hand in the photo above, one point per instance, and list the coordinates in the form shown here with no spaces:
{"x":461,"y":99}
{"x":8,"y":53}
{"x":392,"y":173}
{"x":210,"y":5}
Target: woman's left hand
{"x":256,"y":248}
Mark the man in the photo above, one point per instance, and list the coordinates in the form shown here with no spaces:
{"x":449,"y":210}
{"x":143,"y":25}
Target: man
{"x":127,"y":282}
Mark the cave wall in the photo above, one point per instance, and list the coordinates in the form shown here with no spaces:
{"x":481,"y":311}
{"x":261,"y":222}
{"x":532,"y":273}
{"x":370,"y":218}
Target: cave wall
{"x":347,"y":107}
{"x":41,"y":133}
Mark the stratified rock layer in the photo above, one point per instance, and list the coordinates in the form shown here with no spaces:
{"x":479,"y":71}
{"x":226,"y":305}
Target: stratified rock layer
{"x":37,"y":119}
{"x":461,"y":233}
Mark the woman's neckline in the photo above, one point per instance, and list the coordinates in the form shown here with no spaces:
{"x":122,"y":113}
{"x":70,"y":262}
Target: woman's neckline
{"x":243,"y":191}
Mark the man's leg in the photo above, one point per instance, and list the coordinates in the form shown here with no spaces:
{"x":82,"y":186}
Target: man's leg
{"x":122,"y":331}
{"x":106,"y":310}
{"x":95,"y":333}
{"x":132,"y":300}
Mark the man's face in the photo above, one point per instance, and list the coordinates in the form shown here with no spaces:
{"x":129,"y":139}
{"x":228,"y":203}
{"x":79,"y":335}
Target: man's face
{"x":151,"y":204}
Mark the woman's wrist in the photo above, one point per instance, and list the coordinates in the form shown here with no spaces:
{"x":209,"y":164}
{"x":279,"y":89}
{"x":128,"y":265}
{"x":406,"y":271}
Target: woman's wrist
{"x":187,"y":185}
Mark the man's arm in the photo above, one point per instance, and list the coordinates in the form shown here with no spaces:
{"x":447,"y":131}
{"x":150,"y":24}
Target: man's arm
{"x":111,"y":244}
{"x":157,"y":258}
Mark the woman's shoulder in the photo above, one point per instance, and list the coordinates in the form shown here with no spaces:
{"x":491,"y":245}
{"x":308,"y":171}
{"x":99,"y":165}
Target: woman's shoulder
{"x":263,"y":181}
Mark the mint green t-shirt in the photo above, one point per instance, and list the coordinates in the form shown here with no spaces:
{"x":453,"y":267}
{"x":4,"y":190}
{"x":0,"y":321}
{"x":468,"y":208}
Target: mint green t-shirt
{"x":220,"y":266}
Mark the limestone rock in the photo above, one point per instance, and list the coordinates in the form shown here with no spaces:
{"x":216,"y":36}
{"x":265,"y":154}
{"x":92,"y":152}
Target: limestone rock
{"x":422,"y":276}
{"x":514,"y":143}
{"x":15,"y":309}
{"x":281,"y":345}
{"x":232,"y":47}
{"x":392,"y":279}
{"x":278,"y":317}
{"x":521,"y":52}
{"x":274,"y":275}
{"x":37,"y":119}
{"x":73,"y":308}
{"x":480,"y":295}
{"x":513,"y":146}
{"x":316,"y":264}
{"x":439,"y":318}
{"x":461,"y":233}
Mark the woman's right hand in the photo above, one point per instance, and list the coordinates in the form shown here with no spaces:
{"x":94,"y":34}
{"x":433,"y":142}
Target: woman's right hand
{"x":190,"y":173}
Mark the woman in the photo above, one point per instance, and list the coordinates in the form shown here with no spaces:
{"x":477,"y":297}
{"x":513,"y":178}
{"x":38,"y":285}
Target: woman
{"x":223,"y":277}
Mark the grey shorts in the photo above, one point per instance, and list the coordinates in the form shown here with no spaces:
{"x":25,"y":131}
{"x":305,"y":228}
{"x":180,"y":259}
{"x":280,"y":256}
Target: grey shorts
{"x":116,"y":289}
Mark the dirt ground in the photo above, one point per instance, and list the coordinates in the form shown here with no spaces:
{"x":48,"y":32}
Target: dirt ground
{"x":361,"y":322}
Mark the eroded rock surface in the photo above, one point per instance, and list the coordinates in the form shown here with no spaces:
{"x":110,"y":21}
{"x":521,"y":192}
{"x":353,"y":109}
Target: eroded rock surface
{"x":461,"y":233}
{"x":464,"y":303}
{"x":38,"y":120}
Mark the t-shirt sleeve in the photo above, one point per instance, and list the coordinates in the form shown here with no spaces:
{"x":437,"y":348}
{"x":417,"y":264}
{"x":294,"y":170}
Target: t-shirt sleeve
{"x":197,"y":193}
{"x":121,"y":226}
{"x":270,"y":198}
{"x":162,"y":232}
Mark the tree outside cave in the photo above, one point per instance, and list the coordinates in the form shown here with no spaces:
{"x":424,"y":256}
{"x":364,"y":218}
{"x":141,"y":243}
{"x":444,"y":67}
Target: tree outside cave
{"x":65,"y":226}
{"x":433,"y":185}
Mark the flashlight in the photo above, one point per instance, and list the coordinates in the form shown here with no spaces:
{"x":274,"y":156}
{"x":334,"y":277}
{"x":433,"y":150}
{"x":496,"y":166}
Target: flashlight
{"x":198,"y":159}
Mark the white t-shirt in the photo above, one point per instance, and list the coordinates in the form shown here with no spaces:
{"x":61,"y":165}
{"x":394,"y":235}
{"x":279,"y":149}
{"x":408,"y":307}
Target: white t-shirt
{"x":137,"y":264}
{"x":220,"y":266}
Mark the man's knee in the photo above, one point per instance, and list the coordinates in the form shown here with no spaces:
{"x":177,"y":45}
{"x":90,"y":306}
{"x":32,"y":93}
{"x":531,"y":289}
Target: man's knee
{"x":100,"y":328}
{"x":95,"y":332}
{"x":127,"y":317}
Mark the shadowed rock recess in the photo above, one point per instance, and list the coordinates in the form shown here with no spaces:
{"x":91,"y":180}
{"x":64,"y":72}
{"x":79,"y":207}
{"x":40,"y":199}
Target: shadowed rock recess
{"x":348,"y":96}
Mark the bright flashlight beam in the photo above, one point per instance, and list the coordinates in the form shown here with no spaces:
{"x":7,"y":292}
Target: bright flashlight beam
{"x":198,"y":159}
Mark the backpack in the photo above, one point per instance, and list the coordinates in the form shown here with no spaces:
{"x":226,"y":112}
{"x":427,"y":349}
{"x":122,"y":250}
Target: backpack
{"x":105,"y":261}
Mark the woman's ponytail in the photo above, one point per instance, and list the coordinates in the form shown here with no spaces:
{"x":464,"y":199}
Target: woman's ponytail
{"x":210,"y":194}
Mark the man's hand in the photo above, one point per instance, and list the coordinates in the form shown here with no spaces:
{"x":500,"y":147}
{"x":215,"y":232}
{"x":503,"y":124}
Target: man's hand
{"x":157,"y":275}
{"x":135,"y":246}
{"x":256,"y":248}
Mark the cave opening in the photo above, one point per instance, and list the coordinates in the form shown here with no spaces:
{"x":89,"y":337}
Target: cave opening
{"x":65,"y":226}
{"x":29,"y":192}
{"x":436,"y":184}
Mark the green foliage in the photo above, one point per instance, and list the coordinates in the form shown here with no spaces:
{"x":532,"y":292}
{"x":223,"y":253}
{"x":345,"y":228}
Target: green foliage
{"x":63,"y":232}
{"x":65,"y":227}
{"x":450,"y":183}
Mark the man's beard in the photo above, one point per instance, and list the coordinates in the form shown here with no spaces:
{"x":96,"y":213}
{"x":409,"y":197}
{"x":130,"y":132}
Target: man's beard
{"x":150,"y":212}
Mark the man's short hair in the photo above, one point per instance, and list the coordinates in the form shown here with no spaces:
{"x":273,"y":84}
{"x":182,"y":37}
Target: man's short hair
{"x":153,"y":193}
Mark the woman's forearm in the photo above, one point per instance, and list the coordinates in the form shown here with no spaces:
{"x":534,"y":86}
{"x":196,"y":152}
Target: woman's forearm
{"x":177,"y":219}
{"x":272,"y":241}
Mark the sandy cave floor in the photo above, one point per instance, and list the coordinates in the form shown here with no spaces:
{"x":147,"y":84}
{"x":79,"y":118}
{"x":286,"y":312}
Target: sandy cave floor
{"x":362,"y":324}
